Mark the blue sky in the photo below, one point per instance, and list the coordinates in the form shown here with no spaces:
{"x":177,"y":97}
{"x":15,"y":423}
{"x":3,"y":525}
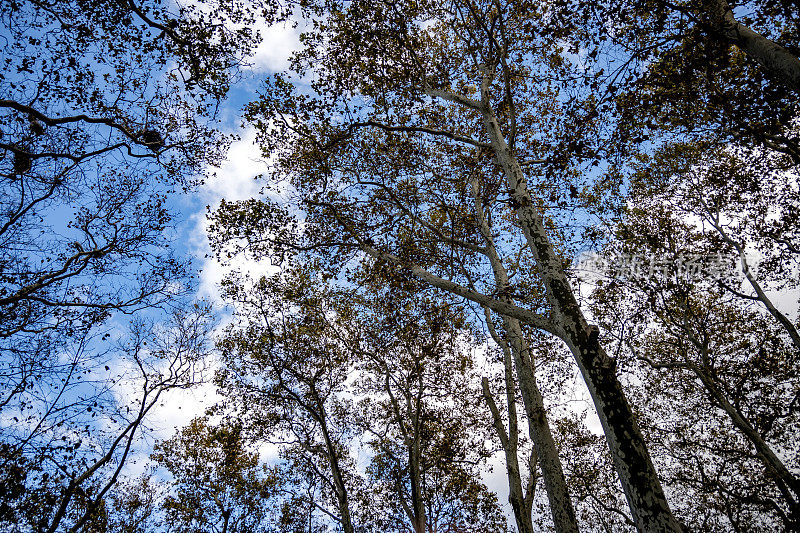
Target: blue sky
{"x":232,"y":180}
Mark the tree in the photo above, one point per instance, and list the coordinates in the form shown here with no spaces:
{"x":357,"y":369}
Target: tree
{"x":778,"y":61}
{"x":134,"y":505}
{"x":419,"y":413}
{"x":515,"y":343}
{"x":69,"y":445}
{"x":107,"y":108}
{"x":285,"y":374}
{"x":702,"y":331}
{"x":725,"y":72}
{"x":95,"y":134}
{"x":521,"y":499}
{"x":217,"y":483}
{"x":410,"y":116}
{"x":327,"y":375}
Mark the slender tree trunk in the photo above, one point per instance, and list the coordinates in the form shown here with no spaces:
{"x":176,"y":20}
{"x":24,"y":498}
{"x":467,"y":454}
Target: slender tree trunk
{"x":636,"y":472}
{"x":521,"y":502}
{"x":712,"y":216}
{"x":336,"y":472}
{"x":538,"y":426}
{"x":226,"y":517}
{"x":525,"y":497}
{"x":554,"y":482}
{"x":412,"y":440}
{"x":776,"y":60}
{"x":763,"y":449}
{"x":417,"y":501}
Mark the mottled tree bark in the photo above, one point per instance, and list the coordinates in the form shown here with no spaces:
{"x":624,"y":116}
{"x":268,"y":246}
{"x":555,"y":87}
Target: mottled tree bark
{"x":781,"y":64}
{"x":521,"y":500}
{"x":561,"y":507}
{"x":636,"y":472}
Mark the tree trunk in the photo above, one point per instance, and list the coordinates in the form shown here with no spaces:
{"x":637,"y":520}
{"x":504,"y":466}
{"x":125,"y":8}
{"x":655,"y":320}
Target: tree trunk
{"x":519,"y":500}
{"x":336,"y":471}
{"x":417,"y":502}
{"x":226,"y":517}
{"x":554,"y":482}
{"x":539,"y":429}
{"x":781,"y":64}
{"x":636,"y":472}
{"x":763,"y":449}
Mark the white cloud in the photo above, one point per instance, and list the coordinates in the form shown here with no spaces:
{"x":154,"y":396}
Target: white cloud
{"x":278,"y":43}
{"x":179,"y":406}
{"x":234,"y":180}
{"x":213,"y":272}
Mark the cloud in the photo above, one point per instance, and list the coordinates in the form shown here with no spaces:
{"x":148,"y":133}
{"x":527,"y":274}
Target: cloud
{"x":179,"y":406}
{"x":278,"y":43}
{"x":234,"y":180}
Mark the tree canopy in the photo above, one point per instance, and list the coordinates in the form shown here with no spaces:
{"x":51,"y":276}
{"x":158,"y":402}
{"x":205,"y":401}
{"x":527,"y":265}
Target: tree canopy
{"x":549,"y":243}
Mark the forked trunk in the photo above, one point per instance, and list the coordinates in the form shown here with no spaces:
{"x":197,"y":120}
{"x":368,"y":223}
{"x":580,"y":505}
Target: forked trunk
{"x":775,"y":59}
{"x":635,"y":469}
{"x":556,"y":486}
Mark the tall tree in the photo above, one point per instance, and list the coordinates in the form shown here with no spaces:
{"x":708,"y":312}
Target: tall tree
{"x":75,"y":430}
{"x":520,"y":495}
{"x":701,"y":326}
{"x":421,"y":414}
{"x":402,"y":95}
{"x":106,"y":109}
{"x":285,"y":374}
{"x":323,"y":372}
